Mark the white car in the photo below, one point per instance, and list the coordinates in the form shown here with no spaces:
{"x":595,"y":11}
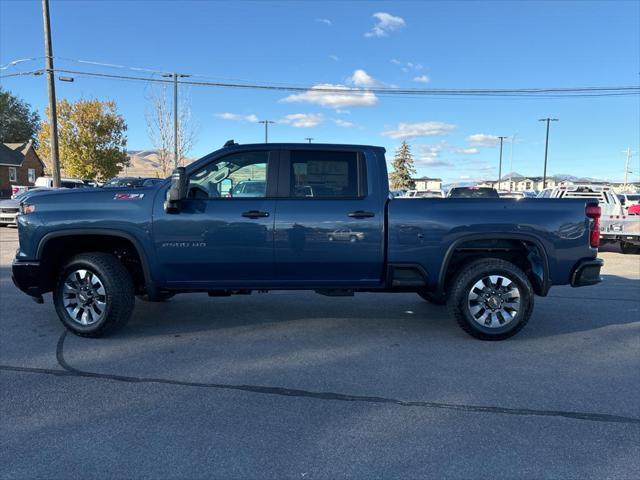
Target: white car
{"x":424,"y":194}
{"x":47,"y":182}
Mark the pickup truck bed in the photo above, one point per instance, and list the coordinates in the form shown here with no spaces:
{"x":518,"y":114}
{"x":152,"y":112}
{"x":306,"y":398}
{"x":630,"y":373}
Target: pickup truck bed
{"x":324,"y":220}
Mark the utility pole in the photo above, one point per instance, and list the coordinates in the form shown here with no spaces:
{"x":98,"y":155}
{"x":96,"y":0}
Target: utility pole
{"x":546,"y":149}
{"x":626,"y":168}
{"x":266,"y":129}
{"x":513,"y":140}
{"x":308,"y":139}
{"x":175,"y":76}
{"x":500,"y":166}
{"x":53,"y":116}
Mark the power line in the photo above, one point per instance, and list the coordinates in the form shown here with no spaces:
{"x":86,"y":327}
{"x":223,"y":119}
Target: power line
{"x":348,"y":91}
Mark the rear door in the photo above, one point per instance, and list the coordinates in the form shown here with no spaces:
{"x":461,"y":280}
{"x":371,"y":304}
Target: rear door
{"x":329,"y":228}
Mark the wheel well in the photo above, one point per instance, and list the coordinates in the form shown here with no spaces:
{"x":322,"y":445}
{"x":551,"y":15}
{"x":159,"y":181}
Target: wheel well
{"x":56,"y":252}
{"x":526,"y":255}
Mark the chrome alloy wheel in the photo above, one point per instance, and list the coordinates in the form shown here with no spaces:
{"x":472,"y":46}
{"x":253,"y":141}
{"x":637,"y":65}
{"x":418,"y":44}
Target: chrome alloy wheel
{"x":494,"y":301}
{"x":84,"y":297}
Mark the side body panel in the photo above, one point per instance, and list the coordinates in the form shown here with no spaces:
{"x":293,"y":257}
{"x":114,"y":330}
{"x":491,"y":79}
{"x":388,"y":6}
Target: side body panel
{"x":425,"y":231}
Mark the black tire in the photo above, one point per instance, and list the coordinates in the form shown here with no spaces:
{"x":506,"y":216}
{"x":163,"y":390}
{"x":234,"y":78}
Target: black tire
{"x":432,"y":297}
{"x":118,"y":294}
{"x":628,"y":248}
{"x":459,"y":306}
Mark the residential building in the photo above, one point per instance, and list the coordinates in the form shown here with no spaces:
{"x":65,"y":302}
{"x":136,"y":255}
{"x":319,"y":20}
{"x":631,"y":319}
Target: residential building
{"x":427,"y":183}
{"x":19,"y":165}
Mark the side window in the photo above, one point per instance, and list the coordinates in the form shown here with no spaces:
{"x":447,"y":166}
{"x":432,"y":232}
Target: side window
{"x":13,"y":174}
{"x":31,"y":175}
{"x":318,"y":174}
{"x":239,"y":175}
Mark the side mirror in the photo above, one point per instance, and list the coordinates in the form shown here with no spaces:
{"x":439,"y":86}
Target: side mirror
{"x":177,"y":192}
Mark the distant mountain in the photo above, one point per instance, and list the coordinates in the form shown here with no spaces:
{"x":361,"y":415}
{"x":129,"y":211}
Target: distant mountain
{"x":144,"y":163}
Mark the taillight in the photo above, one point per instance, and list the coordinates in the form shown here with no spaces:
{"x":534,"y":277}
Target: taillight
{"x":14,"y":190}
{"x":594,"y":212}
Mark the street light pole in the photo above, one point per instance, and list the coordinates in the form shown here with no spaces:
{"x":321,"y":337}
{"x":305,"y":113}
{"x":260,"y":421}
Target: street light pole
{"x":175,"y":76}
{"x":513,"y":140}
{"x":53,"y":116}
{"x":500,"y":165}
{"x":266,"y":129}
{"x":546,"y":149}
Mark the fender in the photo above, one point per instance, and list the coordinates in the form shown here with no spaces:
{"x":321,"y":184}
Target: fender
{"x":538,"y":259}
{"x":150,"y":285}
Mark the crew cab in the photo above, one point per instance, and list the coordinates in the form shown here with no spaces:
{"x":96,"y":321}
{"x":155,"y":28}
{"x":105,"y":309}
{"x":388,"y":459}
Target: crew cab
{"x":325,"y":221}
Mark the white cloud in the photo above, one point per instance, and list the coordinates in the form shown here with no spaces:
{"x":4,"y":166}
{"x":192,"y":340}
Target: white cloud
{"x":422,"y":79}
{"x":334,"y":96}
{"x":344,"y":123}
{"x":420,"y":129}
{"x":429,"y":155}
{"x":302,"y":120}
{"x":360,"y":78}
{"x":467,"y":151}
{"x":334,"y":58}
{"x":385,"y":23}
{"x":326,"y":21}
{"x":483,"y":140}
{"x":237,"y":117}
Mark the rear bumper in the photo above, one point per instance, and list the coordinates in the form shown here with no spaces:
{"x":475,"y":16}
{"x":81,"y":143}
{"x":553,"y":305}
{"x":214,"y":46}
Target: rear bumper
{"x":26,"y":276}
{"x":587,"y":273}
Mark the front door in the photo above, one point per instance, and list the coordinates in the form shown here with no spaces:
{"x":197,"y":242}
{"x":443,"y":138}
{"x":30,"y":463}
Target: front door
{"x":329,"y":227}
{"x":223,"y":234}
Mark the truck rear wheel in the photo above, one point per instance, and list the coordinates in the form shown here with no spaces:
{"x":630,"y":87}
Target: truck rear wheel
{"x":94,"y":295}
{"x":491,"y":299}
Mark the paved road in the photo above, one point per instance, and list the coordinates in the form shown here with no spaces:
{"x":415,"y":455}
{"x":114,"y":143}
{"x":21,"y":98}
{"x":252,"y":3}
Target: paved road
{"x":295,"y":385}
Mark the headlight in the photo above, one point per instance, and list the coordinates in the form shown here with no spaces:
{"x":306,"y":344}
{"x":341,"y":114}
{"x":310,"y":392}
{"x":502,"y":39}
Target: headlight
{"x":26,"y":208}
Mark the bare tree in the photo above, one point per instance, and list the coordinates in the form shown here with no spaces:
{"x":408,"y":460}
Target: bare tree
{"x":159,"y":117}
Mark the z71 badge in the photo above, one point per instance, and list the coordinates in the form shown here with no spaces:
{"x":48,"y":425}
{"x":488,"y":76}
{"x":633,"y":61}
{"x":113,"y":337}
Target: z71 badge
{"x":128,"y":196}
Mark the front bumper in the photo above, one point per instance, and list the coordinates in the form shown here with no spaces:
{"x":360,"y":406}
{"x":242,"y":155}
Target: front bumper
{"x":26,"y":276}
{"x":8,"y":218}
{"x":587,"y":273}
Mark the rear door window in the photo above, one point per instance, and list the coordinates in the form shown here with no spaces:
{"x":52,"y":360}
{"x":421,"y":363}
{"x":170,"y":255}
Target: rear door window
{"x":325,"y":174}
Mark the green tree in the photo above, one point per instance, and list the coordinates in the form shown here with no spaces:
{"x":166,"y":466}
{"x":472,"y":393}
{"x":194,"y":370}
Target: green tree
{"x":91,"y":139}
{"x":18,"y":123}
{"x":403,"y":169}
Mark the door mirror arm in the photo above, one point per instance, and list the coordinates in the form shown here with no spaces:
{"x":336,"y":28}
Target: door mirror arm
{"x":177,"y":192}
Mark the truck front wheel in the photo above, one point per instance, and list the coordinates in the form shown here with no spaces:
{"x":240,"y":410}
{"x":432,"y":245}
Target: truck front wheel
{"x":94,"y":295}
{"x":491,"y":299}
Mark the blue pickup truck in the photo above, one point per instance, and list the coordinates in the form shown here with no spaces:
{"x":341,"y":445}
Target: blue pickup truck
{"x":321,"y":220}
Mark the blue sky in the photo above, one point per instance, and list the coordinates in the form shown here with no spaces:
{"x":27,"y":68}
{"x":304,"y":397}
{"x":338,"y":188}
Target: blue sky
{"x":360,"y":44}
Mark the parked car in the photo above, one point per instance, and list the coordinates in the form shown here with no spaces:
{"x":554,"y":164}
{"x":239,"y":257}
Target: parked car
{"x":507,"y":194}
{"x":20,"y":189}
{"x":473,"y":192}
{"x":346,"y":235}
{"x":96,"y":249}
{"x":628,"y":200}
{"x":132,"y":182}
{"x":47,"y":182}
{"x":10,"y":208}
{"x":252,"y":188}
{"x":545,"y":193}
{"x":424,"y":194}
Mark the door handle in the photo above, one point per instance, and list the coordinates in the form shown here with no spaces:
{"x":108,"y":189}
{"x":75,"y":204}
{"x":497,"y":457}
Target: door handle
{"x":255,"y":214}
{"x":361,"y":214}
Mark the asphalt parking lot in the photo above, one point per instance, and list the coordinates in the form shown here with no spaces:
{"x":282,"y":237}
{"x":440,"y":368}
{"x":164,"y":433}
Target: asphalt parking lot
{"x":296,"y":385}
